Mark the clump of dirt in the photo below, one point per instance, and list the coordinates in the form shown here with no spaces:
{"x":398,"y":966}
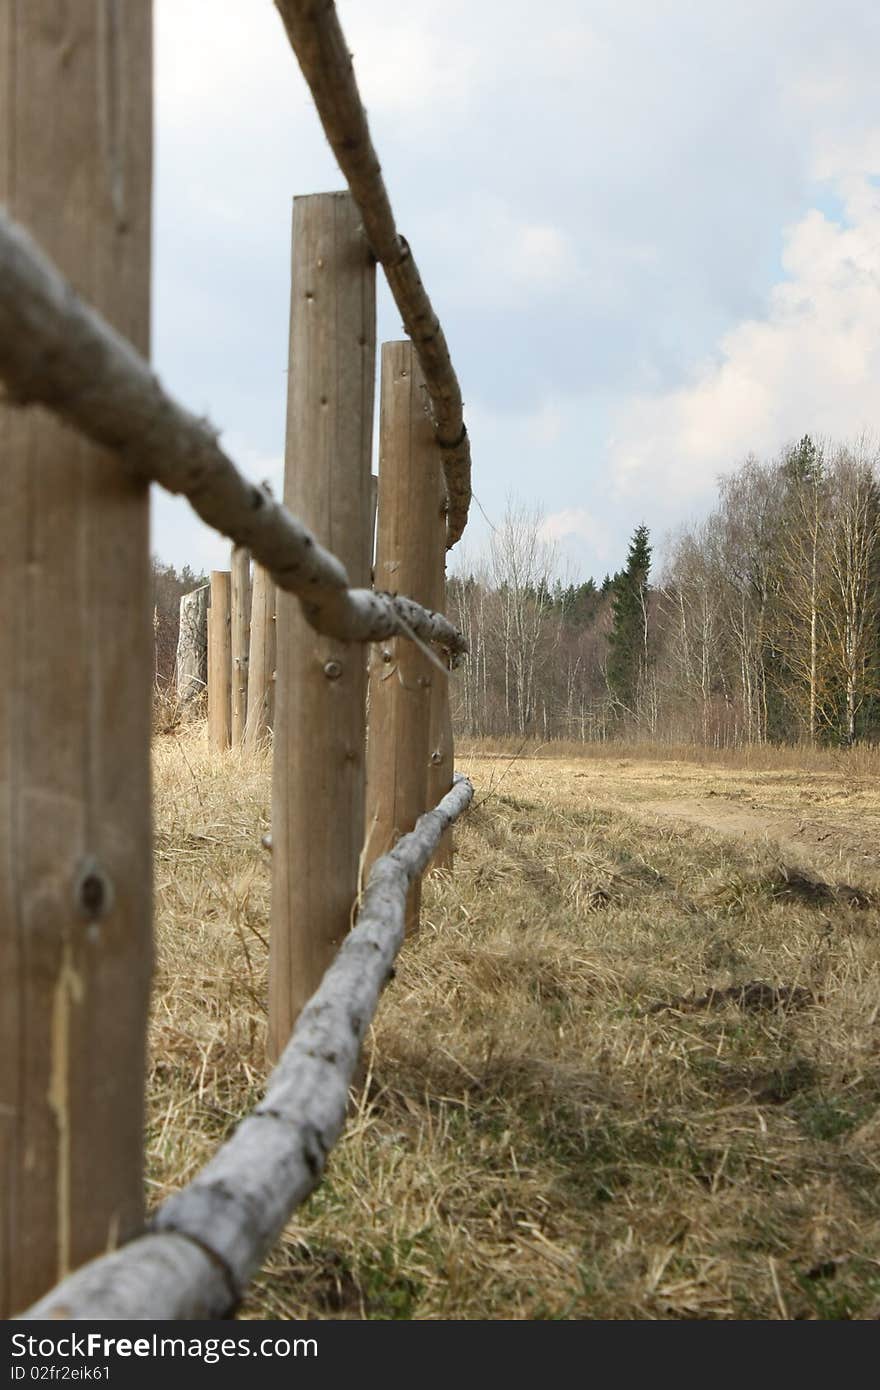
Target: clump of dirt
{"x":795,"y":884}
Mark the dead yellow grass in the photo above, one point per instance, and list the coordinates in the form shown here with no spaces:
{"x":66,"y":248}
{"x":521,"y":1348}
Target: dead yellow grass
{"x":862,"y":759}
{"x":628,"y":1068}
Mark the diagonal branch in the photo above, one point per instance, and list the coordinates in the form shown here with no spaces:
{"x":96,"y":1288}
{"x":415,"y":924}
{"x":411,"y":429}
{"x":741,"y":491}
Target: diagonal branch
{"x":317,"y":39}
{"x":57,"y":351}
{"x":209,"y":1239}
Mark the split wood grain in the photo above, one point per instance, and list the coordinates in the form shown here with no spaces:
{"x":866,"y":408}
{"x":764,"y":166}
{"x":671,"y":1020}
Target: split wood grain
{"x":191,"y":666}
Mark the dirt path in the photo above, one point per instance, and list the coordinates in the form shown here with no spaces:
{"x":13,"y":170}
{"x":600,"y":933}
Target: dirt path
{"x":824,"y":818}
{"x":795,"y":835}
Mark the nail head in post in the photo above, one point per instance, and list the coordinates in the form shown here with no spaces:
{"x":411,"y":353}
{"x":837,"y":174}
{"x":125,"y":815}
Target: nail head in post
{"x":333,"y":670}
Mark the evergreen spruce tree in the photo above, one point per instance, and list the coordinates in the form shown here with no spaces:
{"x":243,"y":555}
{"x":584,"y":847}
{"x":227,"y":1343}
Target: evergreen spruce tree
{"x":803,"y":463}
{"x":628,"y":639}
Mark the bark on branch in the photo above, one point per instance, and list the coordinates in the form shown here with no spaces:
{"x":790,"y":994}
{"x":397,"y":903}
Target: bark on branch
{"x":318,"y":41}
{"x":208,"y":1240}
{"x":57,"y":351}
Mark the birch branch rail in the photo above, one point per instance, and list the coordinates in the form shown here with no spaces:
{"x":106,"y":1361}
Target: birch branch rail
{"x":208,"y":1240}
{"x":57,"y":351}
{"x":319,"y":44}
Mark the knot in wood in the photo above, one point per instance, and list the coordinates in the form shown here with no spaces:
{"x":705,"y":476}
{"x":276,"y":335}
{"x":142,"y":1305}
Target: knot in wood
{"x":333,"y":670}
{"x":94,"y":891}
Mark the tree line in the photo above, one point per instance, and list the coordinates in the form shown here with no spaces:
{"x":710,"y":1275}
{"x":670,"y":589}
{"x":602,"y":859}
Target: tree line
{"x":763,"y":625}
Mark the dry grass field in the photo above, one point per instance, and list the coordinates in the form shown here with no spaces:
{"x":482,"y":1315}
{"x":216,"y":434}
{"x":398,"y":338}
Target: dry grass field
{"x":629,"y":1068}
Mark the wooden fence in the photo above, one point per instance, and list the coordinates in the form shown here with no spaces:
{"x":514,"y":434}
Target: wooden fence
{"x":76,"y":646}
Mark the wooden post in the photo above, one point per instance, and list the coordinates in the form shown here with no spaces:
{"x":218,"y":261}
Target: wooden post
{"x":409,"y":552}
{"x":76,"y":652}
{"x":240,"y":626}
{"x":261,"y":664}
{"x":374,"y":507}
{"x":191,"y":673}
{"x":441,"y":752}
{"x":220,"y":662}
{"x":318,"y":778}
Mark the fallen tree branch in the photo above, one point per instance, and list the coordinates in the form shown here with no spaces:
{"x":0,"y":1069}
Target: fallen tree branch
{"x":57,"y":351}
{"x":208,"y":1240}
{"x":318,"y":41}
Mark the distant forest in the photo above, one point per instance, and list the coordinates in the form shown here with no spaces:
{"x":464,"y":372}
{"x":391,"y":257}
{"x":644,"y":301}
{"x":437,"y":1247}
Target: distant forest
{"x":764,"y":625}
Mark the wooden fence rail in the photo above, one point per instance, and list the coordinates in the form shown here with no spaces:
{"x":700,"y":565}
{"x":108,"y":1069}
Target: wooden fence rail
{"x":208,"y":1240}
{"x":57,"y":351}
{"x":319,"y":43}
{"x":75,"y":1002}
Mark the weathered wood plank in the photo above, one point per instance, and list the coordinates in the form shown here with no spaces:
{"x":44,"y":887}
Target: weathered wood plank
{"x":261,"y":662}
{"x":220,"y":661}
{"x":441,"y":751}
{"x":318,"y":765}
{"x":409,"y":552}
{"x":191,"y":666}
{"x":240,"y":635}
{"x":75,"y":871}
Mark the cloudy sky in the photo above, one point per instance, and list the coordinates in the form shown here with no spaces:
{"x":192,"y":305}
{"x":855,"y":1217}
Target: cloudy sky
{"x":651,"y":229}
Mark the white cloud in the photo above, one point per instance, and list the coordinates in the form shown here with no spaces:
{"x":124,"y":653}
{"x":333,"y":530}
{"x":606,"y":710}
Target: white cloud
{"x":546,"y":424}
{"x":811,"y":363}
{"x":413,"y":67}
{"x":541,"y":255}
{"x":575,"y":522}
{"x":597,"y":204}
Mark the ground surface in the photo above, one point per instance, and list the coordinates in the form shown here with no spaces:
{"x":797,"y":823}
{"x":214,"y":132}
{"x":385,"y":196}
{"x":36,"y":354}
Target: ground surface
{"x":831,"y":816}
{"x":629,"y":1068}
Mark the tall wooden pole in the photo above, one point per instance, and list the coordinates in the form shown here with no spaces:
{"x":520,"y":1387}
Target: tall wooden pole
{"x":318,"y":770}
{"x":76,"y":652}
{"x":220,"y":661}
{"x":261,"y":665}
{"x":374,"y":507}
{"x":409,"y":552}
{"x":240,"y":627}
{"x":441,"y":752}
